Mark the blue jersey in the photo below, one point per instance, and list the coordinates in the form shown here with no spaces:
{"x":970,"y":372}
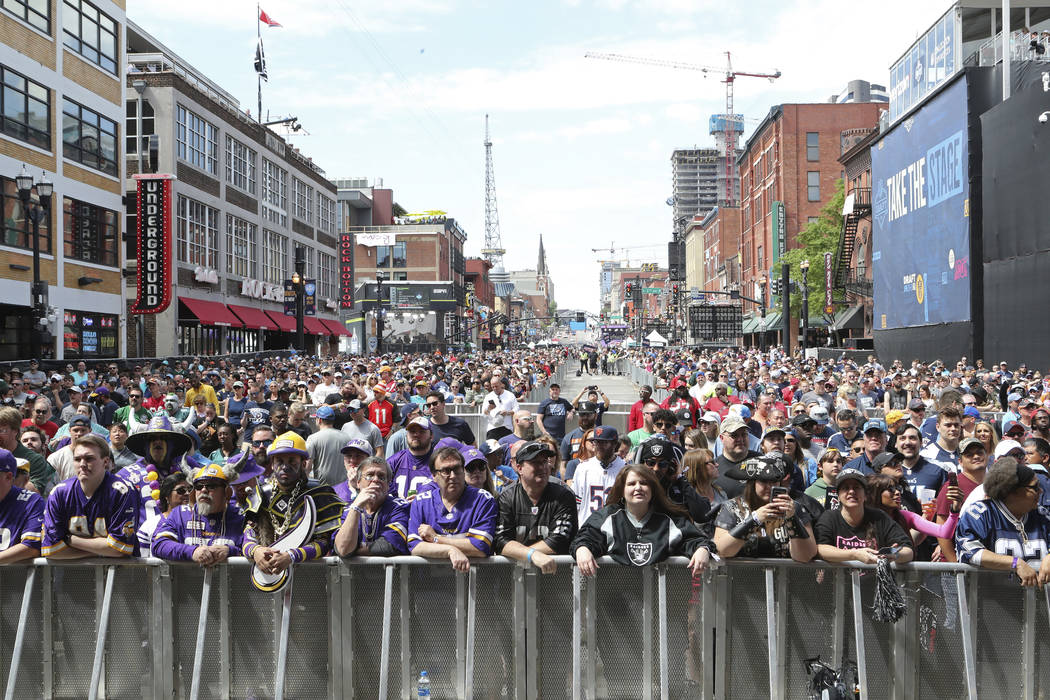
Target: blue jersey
{"x":841,"y":443}
{"x":473,"y":516}
{"x":135,"y":474}
{"x":948,"y":461}
{"x":988,"y":526}
{"x":183,"y":530}
{"x":21,"y":519}
{"x":390,"y":523}
{"x":111,"y":513}
{"x":410,"y":472}
{"x":925,"y":479}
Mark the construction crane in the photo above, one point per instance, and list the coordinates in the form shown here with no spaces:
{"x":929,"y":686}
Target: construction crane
{"x":613,"y":248}
{"x":729,"y":119}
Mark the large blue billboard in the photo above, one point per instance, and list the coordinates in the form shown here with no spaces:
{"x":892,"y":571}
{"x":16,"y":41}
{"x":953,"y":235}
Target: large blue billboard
{"x":920,"y":207}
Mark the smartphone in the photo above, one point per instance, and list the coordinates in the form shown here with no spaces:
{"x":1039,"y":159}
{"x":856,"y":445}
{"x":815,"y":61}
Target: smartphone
{"x":777,"y":492}
{"x":953,"y":479}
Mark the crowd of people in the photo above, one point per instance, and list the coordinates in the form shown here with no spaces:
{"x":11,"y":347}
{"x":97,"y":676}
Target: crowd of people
{"x":749,"y":455}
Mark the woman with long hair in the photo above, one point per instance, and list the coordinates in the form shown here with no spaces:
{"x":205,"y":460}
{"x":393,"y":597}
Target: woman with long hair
{"x":983,"y":431}
{"x":701,"y":470}
{"x":694,"y":439}
{"x":635,"y":526}
{"x":586,"y":452}
{"x":884,"y":492}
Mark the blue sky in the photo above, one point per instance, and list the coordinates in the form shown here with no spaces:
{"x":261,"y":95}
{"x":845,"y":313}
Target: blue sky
{"x":399,"y":90}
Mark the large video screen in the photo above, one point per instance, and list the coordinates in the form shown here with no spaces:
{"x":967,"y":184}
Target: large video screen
{"x":920,"y":209}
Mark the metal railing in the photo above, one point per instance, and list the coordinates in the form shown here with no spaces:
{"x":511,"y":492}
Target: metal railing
{"x":367,"y":627}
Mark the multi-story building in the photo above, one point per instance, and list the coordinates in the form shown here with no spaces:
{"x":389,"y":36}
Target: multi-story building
{"x":243,"y":201}
{"x":61,"y":65}
{"x":788,"y":169}
{"x":861,"y":91}
{"x":712,"y":250}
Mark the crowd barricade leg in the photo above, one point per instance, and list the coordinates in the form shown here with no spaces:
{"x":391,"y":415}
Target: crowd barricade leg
{"x":102,"y":627}
{"x":202,"y":628}
{"x":20,"y":635}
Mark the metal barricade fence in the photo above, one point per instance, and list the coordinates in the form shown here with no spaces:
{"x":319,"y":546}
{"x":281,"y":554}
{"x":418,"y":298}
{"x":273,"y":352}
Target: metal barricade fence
{"x":367,"y":627}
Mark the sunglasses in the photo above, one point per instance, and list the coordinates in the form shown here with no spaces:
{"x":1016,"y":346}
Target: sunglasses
{"x":476,"y":467}
{"x":448,"y":471}
{"x":183,"y":490}
{"x":210,"y":486}
{"x":260,"y":443}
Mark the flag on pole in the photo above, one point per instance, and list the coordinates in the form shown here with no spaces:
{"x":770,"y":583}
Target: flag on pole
{"x":260,"y":61}
{"x":266,"y":19}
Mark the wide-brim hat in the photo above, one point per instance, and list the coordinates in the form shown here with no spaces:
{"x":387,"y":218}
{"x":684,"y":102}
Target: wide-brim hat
{"x":242,"y":468}
{"x":159,"y":427}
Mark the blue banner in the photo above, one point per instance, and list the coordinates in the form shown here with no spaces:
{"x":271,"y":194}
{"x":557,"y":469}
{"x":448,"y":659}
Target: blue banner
{"x":920,"y":208}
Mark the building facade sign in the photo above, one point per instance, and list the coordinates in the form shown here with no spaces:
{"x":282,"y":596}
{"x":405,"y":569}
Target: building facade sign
{"x":154,"y":254}
{"x":346,"y":270}
{"x":376,"y":239}
{"x":262,"y":290}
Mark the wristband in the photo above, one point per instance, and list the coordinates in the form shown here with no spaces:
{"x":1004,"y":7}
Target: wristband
{"x":359,"y":509}
{"x":1013,"y":566}
{"x":741,"y":531}
{"x":531,"y":552}
{"x":796,"y":530}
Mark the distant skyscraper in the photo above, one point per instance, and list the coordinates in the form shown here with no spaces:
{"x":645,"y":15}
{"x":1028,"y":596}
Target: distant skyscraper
{"x":861,"y":91}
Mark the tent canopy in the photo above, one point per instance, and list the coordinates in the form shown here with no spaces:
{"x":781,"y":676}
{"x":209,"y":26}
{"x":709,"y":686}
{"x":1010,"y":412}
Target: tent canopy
{"x":655,"y":338}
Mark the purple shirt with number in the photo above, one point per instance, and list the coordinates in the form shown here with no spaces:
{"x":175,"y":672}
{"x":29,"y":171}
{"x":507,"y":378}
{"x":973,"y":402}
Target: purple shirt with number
{"x":183,"y":530}
{"x":474,"y":516}
{"x":111,"y":513}
{"x":21,"y":519}
{"x":411,"y":472}
{"x":390,"y":522}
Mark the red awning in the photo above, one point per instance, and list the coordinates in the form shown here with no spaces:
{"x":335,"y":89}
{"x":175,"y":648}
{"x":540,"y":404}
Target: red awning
{"x":314,"y":326}
{"x":253,"y":318}
{"x":211,"y":313}
{"x":336,"y":327}
{"x":285,"y":323}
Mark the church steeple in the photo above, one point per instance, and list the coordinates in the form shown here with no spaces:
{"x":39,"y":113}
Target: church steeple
{"x":541,"y":265}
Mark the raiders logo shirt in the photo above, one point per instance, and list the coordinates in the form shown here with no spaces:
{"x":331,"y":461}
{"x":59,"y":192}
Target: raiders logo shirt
{"x":614,"y":532}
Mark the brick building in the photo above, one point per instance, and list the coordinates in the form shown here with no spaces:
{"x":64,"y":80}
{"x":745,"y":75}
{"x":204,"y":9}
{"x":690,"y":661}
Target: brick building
{"x":243,"y":200}
{"x":61,"y":65}
{"x":791,"y":163}
{"x":712,"y":250}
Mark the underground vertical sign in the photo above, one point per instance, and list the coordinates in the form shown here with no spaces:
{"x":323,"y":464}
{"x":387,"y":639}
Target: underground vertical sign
{"x":154,"y":243}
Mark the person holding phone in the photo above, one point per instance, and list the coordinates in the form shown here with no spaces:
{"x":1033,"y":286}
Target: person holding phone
{"x":764,"y":521}
{"x":856,"y":531}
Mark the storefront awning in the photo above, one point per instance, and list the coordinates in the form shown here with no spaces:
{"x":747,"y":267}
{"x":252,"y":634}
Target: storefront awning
{"x":749,"y":325}
{"x":336,"y":327}
{"x":772,"y":323}
{"x":253,"y":318}
{"x":285,"y":323}
{"x":211,"y":313}
{"x":849,"y":318}
{"x":314,"y":326}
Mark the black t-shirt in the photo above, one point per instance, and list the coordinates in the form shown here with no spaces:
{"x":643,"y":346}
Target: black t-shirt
{"x":455,"y":428}
{"x":876,"y":530}
{"x":554,"y":412}
{"x":732,"y":487}
{"x":770,"y":540}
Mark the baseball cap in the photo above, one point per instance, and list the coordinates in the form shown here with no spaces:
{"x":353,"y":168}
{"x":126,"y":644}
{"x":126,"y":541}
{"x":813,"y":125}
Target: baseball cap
{"x":355,"y":405}
{"x":8,"y":462}
{"x":660,"y":449}
{"x":854,"y":474}
{"x":1005,"y":447}
{"x":490,"y":446}
{"x":288,"y":443}
{"x":76,"y":389}
{"x":100,"y":391}
{"x":1028,"y":401}
{"x":819,"y":414}
{"x":802,"y":419}
{"x":684,"y":416}
{"x":357,"y":444}
{"x":883,"y":459}
{"x":732,"y":424}
{"x":79,"y":420}
{"x":764,"y":468}
{"x":771,"y":430}
{"x":238,"y":383}
{"x":969,"y":442}
{"x":711,"y":417}
{"x":56,"y":377}
{"x":325,"y":412}
{"x":606,"y":433}
{"x":916,"y":405}
{"x":1013,"y":397}
{"x":421,"y":422}
{"x":875,"y":424}
{"x":532,"y":450}
{"x":587,"y":407}
{"x":1010,"y":425}
{"x":972,"y":412}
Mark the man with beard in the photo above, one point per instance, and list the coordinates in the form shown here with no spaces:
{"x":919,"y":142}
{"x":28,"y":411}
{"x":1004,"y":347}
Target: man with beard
{"x":411,"y":466}
{"x":283,"y":506}
{"x":664,"y":459}
{"x":257,"y":441}
{"x":735,"y":439}
{"x":680,"y":400}
{"x":162,"y":451}
{"x":924,"y":478}
{"x":92,"y":514}
{"x":586,"y":414}
{"x":208,"y":532}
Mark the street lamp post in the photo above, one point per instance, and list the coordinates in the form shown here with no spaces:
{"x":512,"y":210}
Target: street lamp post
{"x":379,"y":313}
{"x":34,"y":213}
{"x":804,"y":267}
{"x":298,"y":281}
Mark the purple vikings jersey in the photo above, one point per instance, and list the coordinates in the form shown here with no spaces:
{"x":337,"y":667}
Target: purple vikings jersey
{"x":21,"y":519}
{"x":135,"y":474}
{"x":390,"y":523}
{"x":474,"y":516}
{"x":183,"y":530}
{"x":345,"y":493}
{"x":987,"y":525}
{"x":111,"y":513}
{"x":410,"y":472}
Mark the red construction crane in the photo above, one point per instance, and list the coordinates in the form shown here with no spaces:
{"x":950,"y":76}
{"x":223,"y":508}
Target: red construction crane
{"x":729,"y":77}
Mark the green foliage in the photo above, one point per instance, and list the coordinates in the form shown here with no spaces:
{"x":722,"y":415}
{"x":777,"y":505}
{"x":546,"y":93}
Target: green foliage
{"x":815,"y":239}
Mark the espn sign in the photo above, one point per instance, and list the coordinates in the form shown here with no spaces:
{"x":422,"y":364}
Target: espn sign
{"x":154,"y":243}
{"x":346,"y":270}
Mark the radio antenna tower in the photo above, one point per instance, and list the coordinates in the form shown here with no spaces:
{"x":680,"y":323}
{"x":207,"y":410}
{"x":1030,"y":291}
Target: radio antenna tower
{"x":493,"y":250}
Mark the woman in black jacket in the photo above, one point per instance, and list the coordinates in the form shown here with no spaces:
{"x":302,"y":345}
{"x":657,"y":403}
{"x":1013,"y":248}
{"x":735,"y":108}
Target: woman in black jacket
{"x":646,"y":527}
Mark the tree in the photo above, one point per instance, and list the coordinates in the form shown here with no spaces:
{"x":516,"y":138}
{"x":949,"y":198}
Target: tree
{"x":814,"y":240}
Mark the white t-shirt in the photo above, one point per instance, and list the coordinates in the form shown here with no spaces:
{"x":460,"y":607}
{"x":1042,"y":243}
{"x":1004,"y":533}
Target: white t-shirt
{"x":591,"y":484}
{"x":504,"y":402}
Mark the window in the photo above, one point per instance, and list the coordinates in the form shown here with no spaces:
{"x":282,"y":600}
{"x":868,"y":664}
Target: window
{"x":275,"y":217}
{"x":89,"y":138}
{"x":25,"y":109}
{"x":812,"y":146}
{"x":309,"y":268}
{"x":275,"y":185}
{"x":240,"y":165}
{"x":36,"y":13}
{"x":197,"y":230}
{"x":15,"y":231}
{"x":325,"y":214}
{"x":327,"y":277}
{"x":812,"y":219}
{"x":90,"y":232}
{"x":196,"y":140}
{"x":240,"y":247}
{"x":813,"y":185}
{"x":89,"y":32}
{"x":383,"y":253}
{"x":760,"y":265}
{"x":131,"y":126}
{"x":304,"y":201}
{"x":275,"y":252}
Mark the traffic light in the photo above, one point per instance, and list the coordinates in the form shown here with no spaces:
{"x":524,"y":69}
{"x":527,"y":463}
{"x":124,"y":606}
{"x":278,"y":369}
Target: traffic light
{"x":628,"y":290}
{"x":775,"y":286}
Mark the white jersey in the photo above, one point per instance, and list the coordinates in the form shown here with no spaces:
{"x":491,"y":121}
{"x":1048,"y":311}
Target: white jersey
{"x":591,"y":484}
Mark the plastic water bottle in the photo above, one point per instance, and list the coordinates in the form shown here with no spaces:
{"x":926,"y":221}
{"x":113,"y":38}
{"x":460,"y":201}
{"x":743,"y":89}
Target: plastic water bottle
{"x":423,"y":685}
